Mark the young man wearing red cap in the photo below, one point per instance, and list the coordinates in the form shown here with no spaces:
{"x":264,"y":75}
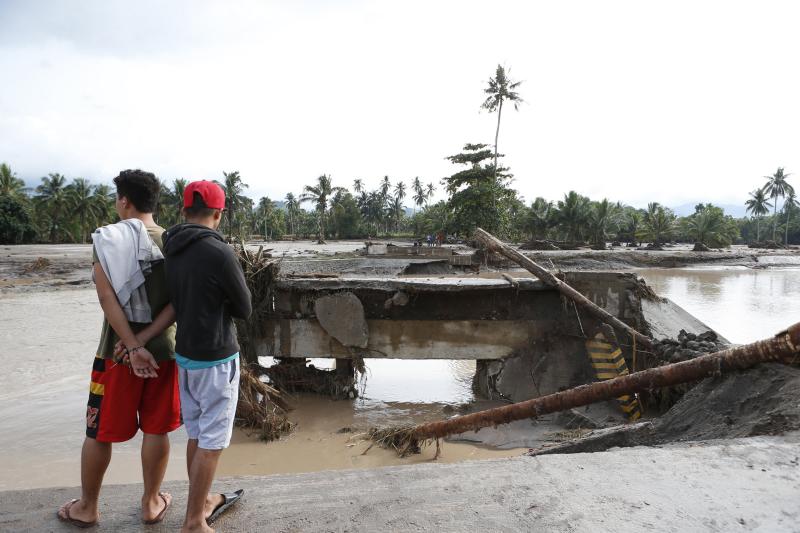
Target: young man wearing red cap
{"x":207,"y":290}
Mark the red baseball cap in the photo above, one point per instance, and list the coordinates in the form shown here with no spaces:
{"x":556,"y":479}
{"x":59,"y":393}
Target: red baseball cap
{"x":211,"y":193}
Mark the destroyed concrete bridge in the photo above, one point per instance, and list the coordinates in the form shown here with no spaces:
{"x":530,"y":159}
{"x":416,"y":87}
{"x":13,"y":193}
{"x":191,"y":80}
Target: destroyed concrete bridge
{"x":513,"y":327}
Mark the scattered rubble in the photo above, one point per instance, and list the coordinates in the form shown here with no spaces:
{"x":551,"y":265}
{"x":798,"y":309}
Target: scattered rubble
{"x":688,"y":346}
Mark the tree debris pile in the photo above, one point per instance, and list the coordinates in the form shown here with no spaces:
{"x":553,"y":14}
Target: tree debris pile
{"x":260,"y":272}
{"x":261,"y":408}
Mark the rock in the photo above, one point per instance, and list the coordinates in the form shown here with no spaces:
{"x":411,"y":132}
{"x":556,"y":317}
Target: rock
{"x":700,"y":247}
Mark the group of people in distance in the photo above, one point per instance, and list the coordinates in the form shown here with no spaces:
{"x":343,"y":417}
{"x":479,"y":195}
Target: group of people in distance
{"x":168,"y":353}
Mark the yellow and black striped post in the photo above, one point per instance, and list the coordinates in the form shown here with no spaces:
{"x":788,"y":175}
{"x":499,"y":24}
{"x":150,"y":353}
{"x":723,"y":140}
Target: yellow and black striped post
{"x":609,"y":363}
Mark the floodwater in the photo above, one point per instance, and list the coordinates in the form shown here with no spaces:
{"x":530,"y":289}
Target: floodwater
{"x":741,"y":304}
{"x":48,"y":338}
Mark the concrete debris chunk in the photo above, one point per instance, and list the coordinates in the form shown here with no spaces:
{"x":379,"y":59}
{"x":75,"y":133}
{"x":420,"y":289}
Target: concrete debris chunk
{"x":341,"y":315}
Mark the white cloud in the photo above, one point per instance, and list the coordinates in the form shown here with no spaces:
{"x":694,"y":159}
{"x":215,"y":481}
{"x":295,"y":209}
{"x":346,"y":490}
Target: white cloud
{"x":635,"y":101}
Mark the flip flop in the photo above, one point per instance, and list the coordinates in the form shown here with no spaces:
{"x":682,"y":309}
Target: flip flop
{"x":228,"y":500}
{"x":74,"y":521}
{"x":160,"y":516}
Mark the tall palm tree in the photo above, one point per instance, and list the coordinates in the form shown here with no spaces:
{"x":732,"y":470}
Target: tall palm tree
{"x":10,"y":184}
{"x":103,"y":204}
{"x":318,"y":195}
{"x":419,"y":194}
{"x":400,"y":190}
{"x":175,"y":196}
{"x":397,"y":204}
{"x":358,"y":185}
{"x":263,"y":215}
{"x":291,"y":210}
{"x":81,"y":204}
{"x":758,"y":206}
{"x":234,"y":199}
{"x":53,"y":203}
{"x":500,"y":89}
{"x":430,"y":189}
{"x":777,"y":187}
{"x":789,"y":205}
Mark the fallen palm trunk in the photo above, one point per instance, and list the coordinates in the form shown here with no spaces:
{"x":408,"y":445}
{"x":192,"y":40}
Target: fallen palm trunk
{"x":784,"y":347}
{"x":495,"y":245}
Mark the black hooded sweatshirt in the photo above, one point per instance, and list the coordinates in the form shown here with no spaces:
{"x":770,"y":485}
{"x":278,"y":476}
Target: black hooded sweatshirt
{"x":207,"y":288}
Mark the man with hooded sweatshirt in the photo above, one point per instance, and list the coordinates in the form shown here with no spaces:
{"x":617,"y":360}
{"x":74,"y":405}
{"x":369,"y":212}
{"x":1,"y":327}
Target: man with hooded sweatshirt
{"x":207,"y":290}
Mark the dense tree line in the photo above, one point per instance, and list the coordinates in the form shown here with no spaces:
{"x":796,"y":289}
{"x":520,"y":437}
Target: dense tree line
{"x":59,"y":210}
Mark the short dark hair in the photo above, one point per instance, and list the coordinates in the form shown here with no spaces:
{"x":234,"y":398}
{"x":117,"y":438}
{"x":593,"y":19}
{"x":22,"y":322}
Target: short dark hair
{"x":140,"y":188}
{"x":198,"y":209}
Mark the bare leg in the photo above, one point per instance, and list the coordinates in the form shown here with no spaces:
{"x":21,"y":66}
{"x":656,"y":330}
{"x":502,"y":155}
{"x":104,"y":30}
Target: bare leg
{"x":191,"y":448}
{"x":200,"y":504}
{"x":95,"y":457}
{"x":155,"y":455}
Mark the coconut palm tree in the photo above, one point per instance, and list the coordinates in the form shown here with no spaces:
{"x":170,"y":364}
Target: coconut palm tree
{"x":52,"y":201}
{"x":318,"y":195}
{"x":788,"y":206}
{"x":419,"y":194}
{"x":539,"y":217}
{"x":600,"y":217}
{"x":234,"y":197}
{"x":358,"y":185}
{"x":430,"y":189}
{"x":291,"y":210}
{"x":777,"y":187}
{"x":657,"y":224}
{"x":758,"y":206}
{"x":500,"y":89}
{"x":572,"y":215}
{"x":81,"y":204}
{"x":10,"y":184}
{"x":103,"y":204}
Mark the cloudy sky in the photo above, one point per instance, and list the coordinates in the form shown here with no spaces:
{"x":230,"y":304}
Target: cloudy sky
{"x":676,"y":101}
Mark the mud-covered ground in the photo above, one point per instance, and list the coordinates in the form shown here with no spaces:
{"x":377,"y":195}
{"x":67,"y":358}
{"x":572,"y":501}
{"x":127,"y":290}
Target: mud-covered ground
{"x":44,"y":267}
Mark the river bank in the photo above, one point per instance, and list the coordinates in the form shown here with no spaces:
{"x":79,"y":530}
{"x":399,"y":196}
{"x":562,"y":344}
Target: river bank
{"x":26,"y":268}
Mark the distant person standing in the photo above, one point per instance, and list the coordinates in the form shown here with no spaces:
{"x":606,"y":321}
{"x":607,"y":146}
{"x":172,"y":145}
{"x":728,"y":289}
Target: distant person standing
{"x":207,"y":290}
{"x":430,"y":240}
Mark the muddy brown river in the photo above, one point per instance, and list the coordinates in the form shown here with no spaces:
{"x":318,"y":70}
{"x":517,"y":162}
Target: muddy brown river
{"x":47,"y":340}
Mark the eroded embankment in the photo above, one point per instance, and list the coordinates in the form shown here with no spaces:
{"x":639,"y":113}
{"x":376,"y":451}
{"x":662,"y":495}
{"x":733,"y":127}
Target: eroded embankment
{"x":764,"y":400}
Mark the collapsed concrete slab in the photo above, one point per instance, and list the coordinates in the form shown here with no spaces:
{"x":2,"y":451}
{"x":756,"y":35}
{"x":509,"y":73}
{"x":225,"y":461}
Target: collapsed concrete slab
{"x":527,"y":339}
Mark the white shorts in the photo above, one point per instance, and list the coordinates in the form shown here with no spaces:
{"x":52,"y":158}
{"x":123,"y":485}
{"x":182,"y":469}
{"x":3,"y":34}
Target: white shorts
{"x":208,"y":403}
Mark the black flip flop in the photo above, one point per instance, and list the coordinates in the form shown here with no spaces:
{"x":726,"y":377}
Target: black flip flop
{"x":228,"y":500}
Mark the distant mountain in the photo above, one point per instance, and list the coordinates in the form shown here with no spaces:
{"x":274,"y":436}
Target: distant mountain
{"x":734,"y":210}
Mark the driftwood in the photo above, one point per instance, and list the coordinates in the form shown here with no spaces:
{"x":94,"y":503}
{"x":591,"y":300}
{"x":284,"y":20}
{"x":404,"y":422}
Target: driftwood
{"x":784,"y":347}
{"x":494,"y":244}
